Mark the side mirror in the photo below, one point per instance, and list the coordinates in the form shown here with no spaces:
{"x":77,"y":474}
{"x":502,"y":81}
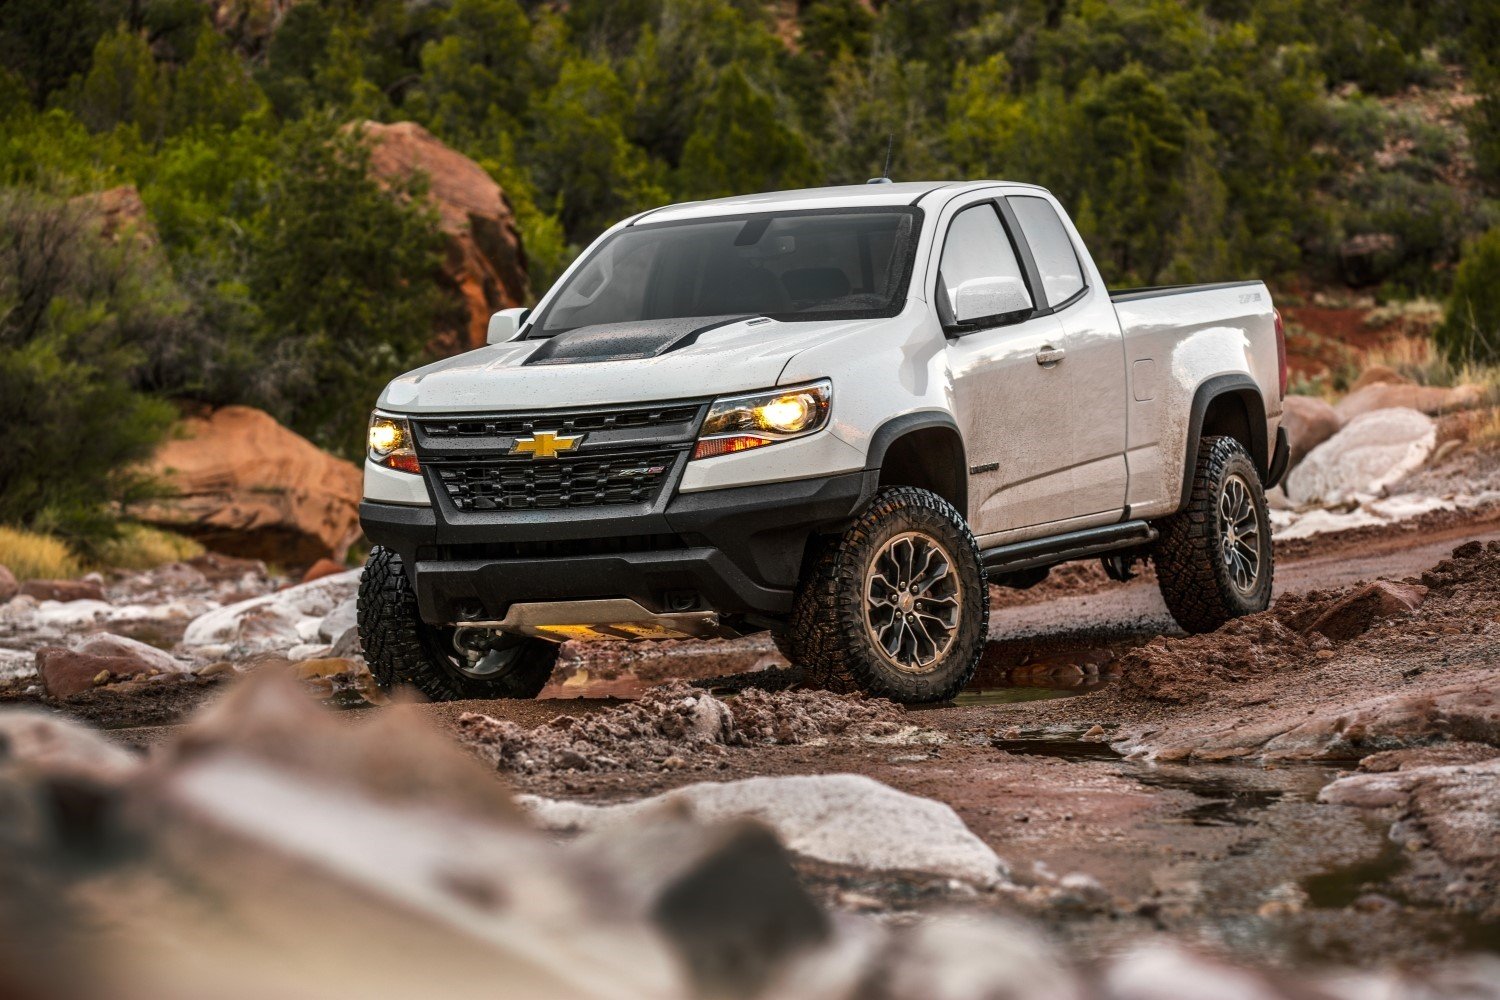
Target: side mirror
{"x":504,"y":325}
{"x":984,"y":298}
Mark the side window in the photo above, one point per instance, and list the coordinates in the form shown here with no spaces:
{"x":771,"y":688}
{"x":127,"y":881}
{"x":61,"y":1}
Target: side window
{"x":1062,"y":275}
{"x":977,"y":247}
{"x":978,"y":275}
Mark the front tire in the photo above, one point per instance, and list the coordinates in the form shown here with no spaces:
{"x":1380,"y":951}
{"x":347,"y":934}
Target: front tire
{"x":1213,"y":558}
{"x":400,"y":646}
{"x":897,"y":606}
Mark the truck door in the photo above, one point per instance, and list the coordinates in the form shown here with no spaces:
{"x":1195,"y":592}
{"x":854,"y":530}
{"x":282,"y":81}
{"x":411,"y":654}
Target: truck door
{"x":1092,"y":358}
{"x":1009,"y":406}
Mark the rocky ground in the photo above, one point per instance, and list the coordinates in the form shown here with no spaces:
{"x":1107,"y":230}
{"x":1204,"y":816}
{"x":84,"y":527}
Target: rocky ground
{"x":1303,"y":804}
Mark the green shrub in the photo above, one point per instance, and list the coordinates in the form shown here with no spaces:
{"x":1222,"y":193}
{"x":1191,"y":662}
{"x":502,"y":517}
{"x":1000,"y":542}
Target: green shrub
{"x":1471,"y":332}
{"x":72,"y":307}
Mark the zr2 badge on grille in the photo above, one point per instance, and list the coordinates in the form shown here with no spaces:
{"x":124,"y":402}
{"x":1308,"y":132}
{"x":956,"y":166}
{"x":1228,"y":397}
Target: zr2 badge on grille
{"x":545,"y":444}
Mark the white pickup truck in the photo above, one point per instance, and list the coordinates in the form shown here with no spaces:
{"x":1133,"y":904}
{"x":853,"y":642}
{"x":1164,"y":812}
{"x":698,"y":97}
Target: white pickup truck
{"x":836,"y":415}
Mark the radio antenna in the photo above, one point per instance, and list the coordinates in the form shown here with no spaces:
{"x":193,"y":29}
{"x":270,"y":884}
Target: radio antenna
{"x":885,"y":173}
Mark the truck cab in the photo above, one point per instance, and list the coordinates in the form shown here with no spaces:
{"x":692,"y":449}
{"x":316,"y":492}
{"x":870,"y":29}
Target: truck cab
{"x":836,"y":415}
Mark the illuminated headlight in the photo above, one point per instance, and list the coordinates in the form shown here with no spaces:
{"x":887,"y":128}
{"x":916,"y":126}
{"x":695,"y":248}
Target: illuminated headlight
{"x":740,"y":423}
{"x":390,"y":443}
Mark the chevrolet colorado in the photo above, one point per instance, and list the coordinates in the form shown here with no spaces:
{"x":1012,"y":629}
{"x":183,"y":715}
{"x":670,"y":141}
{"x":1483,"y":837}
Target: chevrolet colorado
{"x":836,"y":415}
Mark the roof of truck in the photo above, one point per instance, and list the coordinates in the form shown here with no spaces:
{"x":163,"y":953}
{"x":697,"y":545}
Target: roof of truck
{"x":847,"y":196}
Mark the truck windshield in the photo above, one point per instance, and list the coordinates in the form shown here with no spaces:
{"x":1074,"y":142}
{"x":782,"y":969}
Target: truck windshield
{"x":848,"y":264}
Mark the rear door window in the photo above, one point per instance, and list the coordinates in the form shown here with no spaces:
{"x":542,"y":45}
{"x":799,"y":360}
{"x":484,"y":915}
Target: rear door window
{"x":1045,"y":234}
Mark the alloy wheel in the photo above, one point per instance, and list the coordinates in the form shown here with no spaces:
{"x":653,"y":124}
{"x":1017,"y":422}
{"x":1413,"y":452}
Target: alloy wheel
{"x":913,"y":598}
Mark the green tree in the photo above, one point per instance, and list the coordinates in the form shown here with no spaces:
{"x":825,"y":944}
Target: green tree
{"x":73,"y":309}
{"x":341,"y":269}
{"x":124,"y":86}
{"x":580,"y":156}
{"x":1471,"y":330}
{"x":213,"y":88}
{"x":476,"y":75}
{"x":741,"y":143}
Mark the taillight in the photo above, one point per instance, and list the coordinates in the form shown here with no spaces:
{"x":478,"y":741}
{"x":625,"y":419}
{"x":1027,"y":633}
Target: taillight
{"x":1280,"y":351}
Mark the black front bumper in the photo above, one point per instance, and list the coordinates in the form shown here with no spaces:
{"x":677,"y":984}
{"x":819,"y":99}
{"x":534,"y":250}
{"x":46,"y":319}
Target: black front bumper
{"x":735,"y":551}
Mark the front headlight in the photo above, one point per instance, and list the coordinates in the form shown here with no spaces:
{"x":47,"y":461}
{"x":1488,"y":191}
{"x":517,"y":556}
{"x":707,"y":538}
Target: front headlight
{"x":739,"y":423}
{"x":389,"y":443}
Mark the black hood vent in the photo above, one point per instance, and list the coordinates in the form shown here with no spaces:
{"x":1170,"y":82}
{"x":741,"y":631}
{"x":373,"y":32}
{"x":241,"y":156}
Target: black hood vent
{"x":625,"y":341}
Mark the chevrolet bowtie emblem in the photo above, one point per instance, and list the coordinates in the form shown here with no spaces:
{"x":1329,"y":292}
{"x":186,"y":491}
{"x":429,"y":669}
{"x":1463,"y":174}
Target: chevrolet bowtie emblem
{"x":545,"y":444}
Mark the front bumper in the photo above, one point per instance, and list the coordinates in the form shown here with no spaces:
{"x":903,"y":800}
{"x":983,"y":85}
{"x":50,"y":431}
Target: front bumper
{"x":734,"y":551}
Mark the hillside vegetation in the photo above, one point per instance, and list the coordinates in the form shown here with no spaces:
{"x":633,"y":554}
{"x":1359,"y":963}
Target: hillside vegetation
{"x":1307,"y":141}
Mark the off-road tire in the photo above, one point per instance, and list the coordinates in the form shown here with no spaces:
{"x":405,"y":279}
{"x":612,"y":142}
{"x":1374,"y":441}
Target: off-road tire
{"x":399,"y":646}
{"x":1195,"y":579}
{"x":828,"y":633}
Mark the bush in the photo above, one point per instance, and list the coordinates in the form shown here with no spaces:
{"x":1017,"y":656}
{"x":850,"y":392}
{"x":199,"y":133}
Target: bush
{"x":1471,"y":332}
{"x":72,"y":307}
{"x":31,"y":555}
{"x":138,"y":547}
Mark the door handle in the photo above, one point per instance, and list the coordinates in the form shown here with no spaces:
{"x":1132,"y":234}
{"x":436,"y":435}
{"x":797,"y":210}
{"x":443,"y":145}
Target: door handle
{"x":1049,"y":356}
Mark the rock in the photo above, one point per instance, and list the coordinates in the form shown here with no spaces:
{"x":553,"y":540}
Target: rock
{"x":348,"y":645}
{"x":109,"y":644}
{"x":485,"y":261}
{"x":272,"y":621}
{"x":8,"y":586}
{"x":65,"y":673}
{"x":1308,"y":422}
{"x":58,"y":781}
{"x":63,"y":590}
{"x":1452,"y":811}
{"x":1372,"y":452}
{"x":122,"y":215}
{"x":1423,"y":398}
{"x":959,"y":958}
{"x":1378,"y":375}
{"x":47,"y":743}
{"x":1352,"y":731}
{"x":1355,"y":614}
{"x":322,"y":568}
{"x":338,"y":621}
{"x":840,"y":818}
{"x":247,"y":486}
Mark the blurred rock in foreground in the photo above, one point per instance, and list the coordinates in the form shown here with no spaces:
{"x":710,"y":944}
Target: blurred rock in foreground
{"x":274,"y":849}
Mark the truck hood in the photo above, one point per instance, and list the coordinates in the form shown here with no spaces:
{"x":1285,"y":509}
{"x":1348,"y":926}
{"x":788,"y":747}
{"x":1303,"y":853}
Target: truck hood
{"x":619,"y":363}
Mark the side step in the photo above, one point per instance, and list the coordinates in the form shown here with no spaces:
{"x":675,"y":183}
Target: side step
{"x":1065,"y":548}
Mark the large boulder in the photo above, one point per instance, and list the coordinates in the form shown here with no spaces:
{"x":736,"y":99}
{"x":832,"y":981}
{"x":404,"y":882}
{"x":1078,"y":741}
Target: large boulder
{"x":8,"y":586}
{"x":1429,"y":399}
{"x":244,"y":485}
{"x":486,"y":263}
{"x":1372,"y":452}
{"x":1309,"y":422}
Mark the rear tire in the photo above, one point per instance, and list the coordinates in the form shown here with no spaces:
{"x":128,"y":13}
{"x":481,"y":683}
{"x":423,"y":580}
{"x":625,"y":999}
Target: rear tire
{"x":1213,"y":558}
{"x":897,"y":606}
{"x":399,"y":646}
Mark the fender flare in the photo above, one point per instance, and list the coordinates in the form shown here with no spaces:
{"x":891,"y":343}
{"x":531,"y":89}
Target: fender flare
{"x":1248,"y":391}
{"x":887,"y":434}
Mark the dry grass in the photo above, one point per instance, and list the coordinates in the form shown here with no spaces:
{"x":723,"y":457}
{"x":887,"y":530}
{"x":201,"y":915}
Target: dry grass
{"x":140,"y":547}
{"x":31,"y":555}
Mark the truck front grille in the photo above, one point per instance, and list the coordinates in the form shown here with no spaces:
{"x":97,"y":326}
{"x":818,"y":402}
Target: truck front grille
{"x":605,"y":478}
{"x":575,"y":422}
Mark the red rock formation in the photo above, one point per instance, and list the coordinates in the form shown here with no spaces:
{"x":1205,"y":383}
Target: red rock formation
{"x":247,"y":486}
{"x":485,"y":261}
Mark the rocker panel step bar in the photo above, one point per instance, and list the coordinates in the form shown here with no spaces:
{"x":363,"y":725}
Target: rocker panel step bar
{"x":1067,"y":547}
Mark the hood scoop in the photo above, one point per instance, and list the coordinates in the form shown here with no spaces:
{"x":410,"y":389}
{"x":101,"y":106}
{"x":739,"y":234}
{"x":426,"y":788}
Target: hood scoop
{"x":624,"y":341}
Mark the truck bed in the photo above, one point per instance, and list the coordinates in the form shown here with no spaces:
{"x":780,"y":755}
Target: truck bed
{"x":1154,"y":291}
